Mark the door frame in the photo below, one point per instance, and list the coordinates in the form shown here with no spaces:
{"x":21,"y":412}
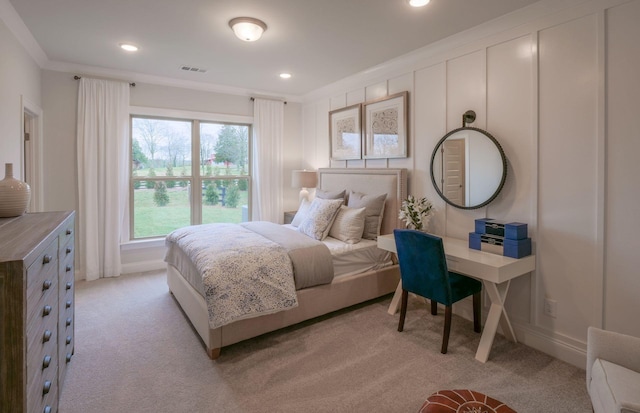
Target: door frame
{"x":34,"y":164}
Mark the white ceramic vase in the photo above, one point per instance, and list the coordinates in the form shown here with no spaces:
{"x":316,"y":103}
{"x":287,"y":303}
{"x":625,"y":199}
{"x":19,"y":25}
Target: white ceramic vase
{"x":14,"y":194}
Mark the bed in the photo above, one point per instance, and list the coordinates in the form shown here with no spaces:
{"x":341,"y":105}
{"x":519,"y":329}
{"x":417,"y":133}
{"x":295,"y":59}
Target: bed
{"x":351,"y":286}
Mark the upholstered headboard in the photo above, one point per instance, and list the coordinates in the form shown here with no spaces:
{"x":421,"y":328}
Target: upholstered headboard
{"x":392,"y":182}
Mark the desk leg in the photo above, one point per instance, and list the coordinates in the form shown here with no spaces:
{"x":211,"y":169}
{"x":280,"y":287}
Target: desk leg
{"x":395,"y":301}
{"x":497,"y":315}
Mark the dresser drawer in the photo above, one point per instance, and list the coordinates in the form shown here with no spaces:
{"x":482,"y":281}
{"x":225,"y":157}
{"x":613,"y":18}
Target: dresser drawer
{"x":43,"y":264}
{"x":42,"y":385}
{"x":41,"y":333}
{"x":67,"y":234}
{"x":42,"y":301}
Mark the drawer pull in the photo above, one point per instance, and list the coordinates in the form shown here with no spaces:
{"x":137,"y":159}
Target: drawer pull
{"x":46,"y":285}
{"x":69,"y":232}
{"x":67,"y":268}
{"x":47,"y":259}
{"x":68,"y":358}
{"x":47,"y":336}
{"x":46,"y":310}
{"x":46,"y":388}
{"x":68,"y":250}
{"x":68,"y":285}
{"x":47,"y":409}
{"x":68,"y":340}
{"x":68,"y":322}
{"x":68,"y":304}
{"x":46,"y":362}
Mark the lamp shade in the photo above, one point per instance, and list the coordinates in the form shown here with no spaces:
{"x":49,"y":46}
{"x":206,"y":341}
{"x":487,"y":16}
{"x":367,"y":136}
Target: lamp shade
{"x":304,"y":179}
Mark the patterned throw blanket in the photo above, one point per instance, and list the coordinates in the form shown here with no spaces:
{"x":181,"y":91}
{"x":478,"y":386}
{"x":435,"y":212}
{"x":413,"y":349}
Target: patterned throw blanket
{"x":238,"y":284}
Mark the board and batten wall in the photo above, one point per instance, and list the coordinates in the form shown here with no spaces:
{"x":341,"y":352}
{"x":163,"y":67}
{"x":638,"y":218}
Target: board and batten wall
{"x":557,"y":85}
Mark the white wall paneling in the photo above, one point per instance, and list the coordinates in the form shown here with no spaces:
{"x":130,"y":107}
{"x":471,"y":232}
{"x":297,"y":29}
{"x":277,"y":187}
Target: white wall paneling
{"x":622,"y":282}
{"x":466,"y":90}
{"x":567,"y":244}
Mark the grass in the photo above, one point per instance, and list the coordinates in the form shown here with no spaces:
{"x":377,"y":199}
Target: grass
{"x":150,"y":220}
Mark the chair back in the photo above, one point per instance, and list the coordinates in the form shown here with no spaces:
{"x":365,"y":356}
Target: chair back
{"x":423,"y":265}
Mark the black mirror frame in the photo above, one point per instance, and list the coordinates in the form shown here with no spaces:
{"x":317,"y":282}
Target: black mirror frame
{"x":504,"y":167}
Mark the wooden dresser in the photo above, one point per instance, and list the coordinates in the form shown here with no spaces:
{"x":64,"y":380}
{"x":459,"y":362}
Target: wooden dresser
{"x":36,"y":309}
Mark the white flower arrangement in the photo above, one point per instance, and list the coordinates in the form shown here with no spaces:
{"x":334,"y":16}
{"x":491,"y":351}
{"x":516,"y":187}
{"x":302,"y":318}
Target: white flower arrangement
{"x":416,"y":212}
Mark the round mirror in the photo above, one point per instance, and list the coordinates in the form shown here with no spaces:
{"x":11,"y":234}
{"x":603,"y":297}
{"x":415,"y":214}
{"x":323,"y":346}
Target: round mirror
{"x":468,"y":168}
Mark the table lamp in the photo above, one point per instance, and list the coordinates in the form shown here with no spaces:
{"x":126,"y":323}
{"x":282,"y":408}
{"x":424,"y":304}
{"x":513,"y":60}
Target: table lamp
{"x":304,"y":179}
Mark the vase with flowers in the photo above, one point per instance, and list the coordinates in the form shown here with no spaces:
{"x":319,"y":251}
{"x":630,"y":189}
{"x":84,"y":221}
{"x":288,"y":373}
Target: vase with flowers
{"x":416,"y":212}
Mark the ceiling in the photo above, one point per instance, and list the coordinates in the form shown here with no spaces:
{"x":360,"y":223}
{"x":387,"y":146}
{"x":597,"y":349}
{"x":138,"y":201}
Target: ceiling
{"x":318,"y":41}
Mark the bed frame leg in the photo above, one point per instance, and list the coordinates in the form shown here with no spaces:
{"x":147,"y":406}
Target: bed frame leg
{"x":213,"y":353}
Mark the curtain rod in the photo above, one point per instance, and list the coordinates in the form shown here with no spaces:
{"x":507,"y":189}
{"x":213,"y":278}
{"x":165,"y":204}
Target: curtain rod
{"x":283,"y":101}
{"x":76,"y":77}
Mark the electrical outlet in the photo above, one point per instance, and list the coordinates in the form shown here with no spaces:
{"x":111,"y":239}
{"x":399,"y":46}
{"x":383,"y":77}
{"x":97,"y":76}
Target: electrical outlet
{"x":550,"y":307}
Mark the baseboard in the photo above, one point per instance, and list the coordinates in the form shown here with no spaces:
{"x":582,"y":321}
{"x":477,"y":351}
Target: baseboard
{"x":143,"y":266}
{"x":561,"y":347}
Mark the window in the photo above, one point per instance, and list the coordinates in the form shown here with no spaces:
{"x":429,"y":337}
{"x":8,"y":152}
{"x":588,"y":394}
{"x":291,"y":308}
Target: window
{"x":187,"y":172}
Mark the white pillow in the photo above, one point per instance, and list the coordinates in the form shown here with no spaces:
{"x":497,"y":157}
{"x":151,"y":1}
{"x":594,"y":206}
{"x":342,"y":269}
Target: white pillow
{"x":320,"y":217}
{"x":301,"y":214}
{"x":375,"y":207}
{"x":348,"y":225}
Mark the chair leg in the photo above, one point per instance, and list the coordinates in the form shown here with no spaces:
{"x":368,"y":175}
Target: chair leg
{"x":403,"y":309}
{"x":447,"y":329}
{"x":434,"y":307}
{"x":476,"y":312}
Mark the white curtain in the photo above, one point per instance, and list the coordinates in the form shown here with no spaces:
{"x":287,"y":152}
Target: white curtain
{"x":103,"y":159}
{"x":268,"y":121}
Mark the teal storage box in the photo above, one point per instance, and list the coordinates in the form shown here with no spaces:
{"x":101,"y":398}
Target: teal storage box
{"x":517,"y":248}
{"x":515,"y":230}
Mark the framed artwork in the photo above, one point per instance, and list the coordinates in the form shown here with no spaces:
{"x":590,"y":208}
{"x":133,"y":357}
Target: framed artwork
{"x":345,"y":133}
{"x":385,"y":127}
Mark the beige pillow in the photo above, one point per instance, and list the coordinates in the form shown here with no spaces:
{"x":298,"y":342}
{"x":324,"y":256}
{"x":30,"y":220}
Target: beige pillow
{"x":321,"y":193}
{"x":320,"y":217}
{"x":374,"y":205}
{"x":348,"y":225}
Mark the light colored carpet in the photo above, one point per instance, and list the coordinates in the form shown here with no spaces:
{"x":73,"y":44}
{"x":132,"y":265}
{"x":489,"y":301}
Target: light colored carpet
{"x":136,"y":352}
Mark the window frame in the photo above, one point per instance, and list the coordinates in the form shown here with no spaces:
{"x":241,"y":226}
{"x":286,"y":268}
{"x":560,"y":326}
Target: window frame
{"x":196,"y":179}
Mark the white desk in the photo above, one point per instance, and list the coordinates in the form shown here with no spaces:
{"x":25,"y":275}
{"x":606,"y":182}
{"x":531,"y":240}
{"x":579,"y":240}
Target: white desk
{"x":496,"y":273}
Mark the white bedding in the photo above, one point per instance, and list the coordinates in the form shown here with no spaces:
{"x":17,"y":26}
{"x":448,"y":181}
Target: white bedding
{"x":350,"y":259}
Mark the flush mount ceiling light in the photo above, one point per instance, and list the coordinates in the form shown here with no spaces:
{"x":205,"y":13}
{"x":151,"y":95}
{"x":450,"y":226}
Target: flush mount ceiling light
{"x":285,"y":75}
{"x":247,"y":28}
{"x":128,"y":47}
{"x":418,"y":3}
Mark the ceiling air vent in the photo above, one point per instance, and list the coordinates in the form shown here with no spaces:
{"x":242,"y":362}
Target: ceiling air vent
{"x":193,"y":69}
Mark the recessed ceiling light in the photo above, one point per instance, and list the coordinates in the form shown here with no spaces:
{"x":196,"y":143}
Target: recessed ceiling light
{"x":128,"y":47}
{"x":285,"y":75}
{"x":418,"y":3}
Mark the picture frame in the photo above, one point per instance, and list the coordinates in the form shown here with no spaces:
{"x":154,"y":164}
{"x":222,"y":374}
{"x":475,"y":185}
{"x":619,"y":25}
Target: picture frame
{"x":345,"y":133}
{"x":386,"y":127}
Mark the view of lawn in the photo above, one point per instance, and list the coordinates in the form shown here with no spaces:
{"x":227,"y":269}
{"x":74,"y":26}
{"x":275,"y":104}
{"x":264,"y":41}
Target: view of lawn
{"x":151,"y":220}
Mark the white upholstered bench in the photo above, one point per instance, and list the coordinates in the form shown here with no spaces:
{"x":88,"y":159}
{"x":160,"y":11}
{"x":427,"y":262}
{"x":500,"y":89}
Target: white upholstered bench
{"x":613,"y":371}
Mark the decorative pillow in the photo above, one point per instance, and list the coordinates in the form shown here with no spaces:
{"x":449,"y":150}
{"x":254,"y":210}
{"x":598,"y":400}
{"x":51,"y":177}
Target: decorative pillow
{"x":320,"y":217}
{"x":301,"y":214}
{"x":374,"y":205}
{"x":348,"y":225}
{"x":321,"y":193}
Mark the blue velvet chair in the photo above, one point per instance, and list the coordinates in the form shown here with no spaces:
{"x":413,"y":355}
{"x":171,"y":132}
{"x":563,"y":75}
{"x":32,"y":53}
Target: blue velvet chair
{"x":423,"y":269}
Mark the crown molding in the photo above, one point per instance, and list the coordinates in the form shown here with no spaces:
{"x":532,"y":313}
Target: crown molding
{"x":10,"y":17}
